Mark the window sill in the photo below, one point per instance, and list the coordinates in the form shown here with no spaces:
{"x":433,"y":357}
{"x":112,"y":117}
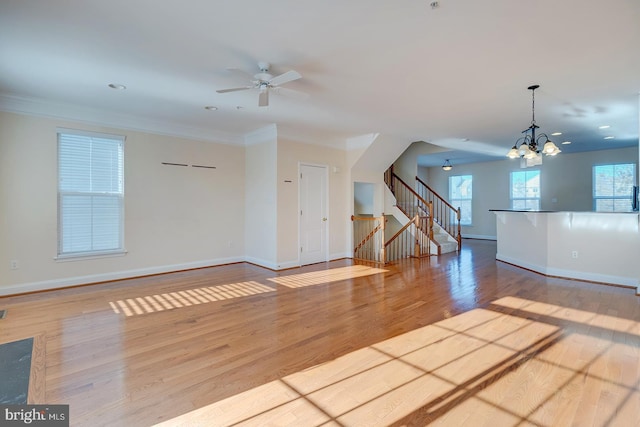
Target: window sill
{"x":89,"y":256}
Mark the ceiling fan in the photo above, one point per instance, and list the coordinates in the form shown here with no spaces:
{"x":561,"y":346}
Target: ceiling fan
{"x":265,"y":83}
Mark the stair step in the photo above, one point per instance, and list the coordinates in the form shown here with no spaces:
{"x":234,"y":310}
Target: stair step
{"x":448,"y":247}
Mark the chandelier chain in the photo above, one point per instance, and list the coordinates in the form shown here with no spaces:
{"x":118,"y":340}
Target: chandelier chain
{"x":533,"y":107}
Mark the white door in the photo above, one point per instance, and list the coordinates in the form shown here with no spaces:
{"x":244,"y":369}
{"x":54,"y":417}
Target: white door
{"x":313,"y":214}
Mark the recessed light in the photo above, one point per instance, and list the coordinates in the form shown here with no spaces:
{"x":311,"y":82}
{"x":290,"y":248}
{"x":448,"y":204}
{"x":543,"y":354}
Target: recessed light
{"x":117,"y":86}
{"x":609,"y":137}
{"x":604,"y":127}
{"x":556,"y":134}
{"x":566,"y":142}
{"x":211,"y":108}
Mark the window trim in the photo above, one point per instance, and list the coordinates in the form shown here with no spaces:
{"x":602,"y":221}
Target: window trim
{"x":95,"y":254}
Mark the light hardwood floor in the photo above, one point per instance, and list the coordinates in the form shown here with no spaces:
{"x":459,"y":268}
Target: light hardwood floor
{"x":456,"y":340}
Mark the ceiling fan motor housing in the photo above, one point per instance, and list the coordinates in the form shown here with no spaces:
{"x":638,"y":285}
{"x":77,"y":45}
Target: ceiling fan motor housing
{"x":264,"y":82}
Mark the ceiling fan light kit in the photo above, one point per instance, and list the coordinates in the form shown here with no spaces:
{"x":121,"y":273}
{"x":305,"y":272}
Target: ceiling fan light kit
{"x":265,"y":83}
{"x":530,"y":148}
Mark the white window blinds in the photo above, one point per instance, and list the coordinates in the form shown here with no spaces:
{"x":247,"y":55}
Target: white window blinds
{"x":90,"y":193}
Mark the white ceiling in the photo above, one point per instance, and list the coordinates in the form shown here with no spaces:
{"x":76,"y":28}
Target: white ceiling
{"x":455,"y":75}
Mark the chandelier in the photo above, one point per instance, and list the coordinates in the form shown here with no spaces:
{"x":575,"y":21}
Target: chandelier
{"x":530,"y":147}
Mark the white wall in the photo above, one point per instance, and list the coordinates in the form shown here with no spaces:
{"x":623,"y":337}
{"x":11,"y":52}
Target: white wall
{"x":567,"y":178}
{"x":261,"y":237}
{"x":290,"y":155}
{"x":175,"y":217}
{"x":596,"y":246}
{"x":363,"y":193}
{"x":406,"y":166}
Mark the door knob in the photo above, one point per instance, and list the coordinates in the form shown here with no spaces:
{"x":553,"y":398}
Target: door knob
{"x":324,"y":219}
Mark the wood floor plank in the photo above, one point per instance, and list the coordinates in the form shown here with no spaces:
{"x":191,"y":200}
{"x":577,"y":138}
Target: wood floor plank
{"x":37,"y":375}
{"x":453,"y":340}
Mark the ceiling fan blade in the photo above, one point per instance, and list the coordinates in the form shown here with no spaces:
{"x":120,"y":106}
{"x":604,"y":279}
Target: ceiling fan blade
{"x":285,"y":77}
{"x":290,"y":93}
{"x":235,"y":89}
{"x":263,"y":99}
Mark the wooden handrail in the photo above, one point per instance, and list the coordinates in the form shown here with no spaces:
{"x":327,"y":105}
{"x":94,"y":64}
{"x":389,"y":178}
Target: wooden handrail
{"x":368,"y":237}
{"x":407,"y":243}
{"x":409,"y":188}
{"x":437,"y":195}
{"x":392,"y":176}
{"x":404,"y":227}
{"x":369,"y":249}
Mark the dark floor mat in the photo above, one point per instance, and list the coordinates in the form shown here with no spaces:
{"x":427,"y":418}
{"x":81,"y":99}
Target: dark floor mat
{"x":15,"y":368}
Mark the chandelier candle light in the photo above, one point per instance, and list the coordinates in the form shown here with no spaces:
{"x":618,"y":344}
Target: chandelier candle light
{"x":529,"y":149}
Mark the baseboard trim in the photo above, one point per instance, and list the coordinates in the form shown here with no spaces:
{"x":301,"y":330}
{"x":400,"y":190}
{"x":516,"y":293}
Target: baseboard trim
{"x":68,"y":282}
{"x":261,"y":263}
{"x":623,"y":281}
{"x":478,"y":237}
{"x":340,"y":255}
{"x":287,"y":265}
{"x":46,"y":285}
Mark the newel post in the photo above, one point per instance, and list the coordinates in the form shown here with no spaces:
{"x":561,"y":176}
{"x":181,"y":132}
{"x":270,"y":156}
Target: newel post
{"x":459,"y":236}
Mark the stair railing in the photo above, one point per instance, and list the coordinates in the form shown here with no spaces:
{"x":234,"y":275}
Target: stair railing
{"x":409,"y":241}
{"x":368,"y":234}
{"x":444,"y":213}
{"x":411,"y":203}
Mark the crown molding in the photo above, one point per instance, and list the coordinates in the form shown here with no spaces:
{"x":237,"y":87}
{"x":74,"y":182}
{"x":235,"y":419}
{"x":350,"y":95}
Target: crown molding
{"x":75,"y":113}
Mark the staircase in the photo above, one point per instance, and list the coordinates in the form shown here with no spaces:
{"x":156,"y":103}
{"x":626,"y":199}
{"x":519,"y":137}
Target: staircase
{"x":409,"y":242}
{"x":444,"y":215}
{"x":443,"y":240}
{"x":428,"y":226}
{"x":444,"y":229}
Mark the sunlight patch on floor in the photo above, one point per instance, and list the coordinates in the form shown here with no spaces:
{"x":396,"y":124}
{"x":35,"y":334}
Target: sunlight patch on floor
{"x":518,"y":363}
{"x":178,"y":299}
{"x":480,"y":362}
{"x":560,"y":313}
{"x":325,"y":276}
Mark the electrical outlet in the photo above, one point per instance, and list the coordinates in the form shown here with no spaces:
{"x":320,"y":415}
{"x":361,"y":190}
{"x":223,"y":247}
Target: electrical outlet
{"x":14,"y":264}
{"x":574,"y":254}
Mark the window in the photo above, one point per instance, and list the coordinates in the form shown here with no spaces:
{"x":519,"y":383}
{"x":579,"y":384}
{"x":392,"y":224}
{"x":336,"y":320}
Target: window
{"x":525,"y":190}
{"x":460,"y":192}
{"x":90,"y":194}
{"x":613,"y":187}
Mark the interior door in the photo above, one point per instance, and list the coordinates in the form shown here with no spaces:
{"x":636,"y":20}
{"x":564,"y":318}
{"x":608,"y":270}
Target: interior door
{"x":313,"y":214}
